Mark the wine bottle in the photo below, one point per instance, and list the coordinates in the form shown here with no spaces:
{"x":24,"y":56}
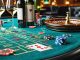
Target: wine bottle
{"x":21,"y":13}
{"x":30,"y":12}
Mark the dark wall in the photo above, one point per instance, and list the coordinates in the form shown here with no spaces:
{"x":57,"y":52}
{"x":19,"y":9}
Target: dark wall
{"x":61,"y":11}
{"x":56,"y":11}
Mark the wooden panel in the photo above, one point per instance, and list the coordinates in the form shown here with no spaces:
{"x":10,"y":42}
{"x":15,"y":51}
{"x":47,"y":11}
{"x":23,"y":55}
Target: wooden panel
{"x":76,"y":1}
{"x":60,"y":2}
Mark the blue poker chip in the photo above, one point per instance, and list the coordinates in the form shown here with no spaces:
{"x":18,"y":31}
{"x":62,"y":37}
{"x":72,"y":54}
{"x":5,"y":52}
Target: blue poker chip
{"x":60,"y":40}
{"x":66,"y":35}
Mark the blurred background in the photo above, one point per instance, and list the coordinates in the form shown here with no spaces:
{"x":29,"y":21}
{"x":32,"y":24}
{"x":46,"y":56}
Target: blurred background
{"x":7,"y":2}
{"x":53,"y":8}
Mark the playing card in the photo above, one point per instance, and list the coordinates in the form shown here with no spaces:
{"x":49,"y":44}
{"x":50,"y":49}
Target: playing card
{"x":39,"y":47}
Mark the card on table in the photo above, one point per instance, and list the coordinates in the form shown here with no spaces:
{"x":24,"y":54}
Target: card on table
{"x":39,"y":47}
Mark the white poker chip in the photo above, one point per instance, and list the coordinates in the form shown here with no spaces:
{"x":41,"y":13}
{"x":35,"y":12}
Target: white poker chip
{"x":15,"y":27}
{"x":3,"y":29}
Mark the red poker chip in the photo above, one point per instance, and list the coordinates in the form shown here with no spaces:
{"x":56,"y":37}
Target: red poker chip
{"x":17,"y":38}
{"x":41,"y":32}
{"x":10,"y":50}
{"x":3,"y":54}
{"x":6,"y":52}
{"x":32,"y":26}
{"x":0,"y":52}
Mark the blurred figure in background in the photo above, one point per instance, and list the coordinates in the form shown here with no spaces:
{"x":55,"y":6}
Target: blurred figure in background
{"x":38,"y":19}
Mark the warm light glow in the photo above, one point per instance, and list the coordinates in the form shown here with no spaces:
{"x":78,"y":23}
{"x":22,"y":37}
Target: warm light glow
{"x":42,"y":5}
{"x":53,"y":3}
{"x":14,"y":2}
{"x":42,"y":1}
{"x":38,"y":7}
{"x":67,"y":2}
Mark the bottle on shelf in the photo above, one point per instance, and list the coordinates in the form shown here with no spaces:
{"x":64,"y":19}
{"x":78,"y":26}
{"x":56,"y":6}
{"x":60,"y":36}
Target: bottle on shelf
{"x":29,"y":10}
{"x":21,"y":13}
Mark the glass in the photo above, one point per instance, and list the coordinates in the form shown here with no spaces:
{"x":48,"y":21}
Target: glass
{"x":1,"y":12}
{"x":11,"y":7}
{"x":2,"y":7}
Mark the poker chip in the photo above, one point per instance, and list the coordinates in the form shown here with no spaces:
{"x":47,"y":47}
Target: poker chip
{"x":0,"y":52}
{"x":66,"y":35}
{"x":6,"y":52}
{"x":17,"y":38}
{"x":10,"y":50}
{"x":61,"y":40}
{"x":3,"y":29}
{"x":32,"y":26}
{"x":48,"y":37}
{"x":15,"y":27}
{"x":41,"y":32}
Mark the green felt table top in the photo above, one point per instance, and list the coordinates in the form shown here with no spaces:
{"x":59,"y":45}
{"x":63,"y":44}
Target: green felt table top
{"x":56,"y":49}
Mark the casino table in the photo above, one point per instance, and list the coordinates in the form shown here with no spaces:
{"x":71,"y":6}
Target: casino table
{"x":18,"y":39}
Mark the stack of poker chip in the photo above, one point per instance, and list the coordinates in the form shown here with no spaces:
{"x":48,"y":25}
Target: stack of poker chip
{"x":6,"y":52}
{"x":66,"y":35}
{"x":61,"y":40}
{"x":48,"y":37}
